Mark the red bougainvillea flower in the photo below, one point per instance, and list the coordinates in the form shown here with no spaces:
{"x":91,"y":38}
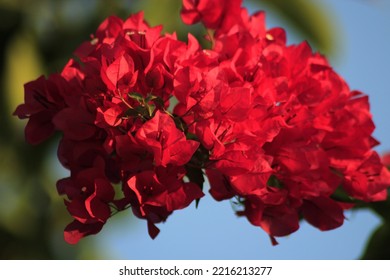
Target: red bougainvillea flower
{"x":145,"y":117}
{"x":286,"y":136}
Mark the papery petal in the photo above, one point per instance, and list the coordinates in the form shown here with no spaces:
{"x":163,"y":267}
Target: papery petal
{"x":75,"y":123}
{"x":323,"y":213}
{"x":76,"y":230}
{"x":279,"y":221}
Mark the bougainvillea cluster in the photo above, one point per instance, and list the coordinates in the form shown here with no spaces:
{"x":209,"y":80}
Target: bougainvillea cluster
{"x":145,"y":117}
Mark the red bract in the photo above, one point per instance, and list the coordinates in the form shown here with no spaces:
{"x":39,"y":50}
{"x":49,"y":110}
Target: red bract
{"x":144,"y":117}
{"x":90,"y":195}
{"x":165,"y":141}
{"x":211,"y":13}
{"x":155,"y":194}
{"x":44,"y":98}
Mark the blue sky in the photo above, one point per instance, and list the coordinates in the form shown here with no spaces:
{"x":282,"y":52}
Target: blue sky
{"x":214,"y":232}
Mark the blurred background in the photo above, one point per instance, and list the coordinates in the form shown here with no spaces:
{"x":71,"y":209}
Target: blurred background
{"x":38,"y":37}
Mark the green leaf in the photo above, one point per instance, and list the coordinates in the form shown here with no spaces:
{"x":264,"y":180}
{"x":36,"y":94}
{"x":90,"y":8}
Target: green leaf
{"x":342,"y":196}
{"x":378,"y":245}
{"x":137,"y":96}
{"x":310,"y":19}
{"x":151,"y":97}
{"x":158,"y":101}
{"x":150,"y":108}
{"x":195,"y":175}
{"x":273,"y":181}
{"x":382,"y":208}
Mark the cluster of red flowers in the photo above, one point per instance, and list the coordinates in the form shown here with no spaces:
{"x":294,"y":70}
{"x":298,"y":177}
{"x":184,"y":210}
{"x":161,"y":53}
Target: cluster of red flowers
{"x":145,"y":116}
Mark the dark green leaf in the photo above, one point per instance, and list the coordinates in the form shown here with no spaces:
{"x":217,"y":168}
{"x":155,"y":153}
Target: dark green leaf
{"x":378,"y":245}
{"x":273,"y":181}
{"x":341,"y":195}
{"x":195,"y":175}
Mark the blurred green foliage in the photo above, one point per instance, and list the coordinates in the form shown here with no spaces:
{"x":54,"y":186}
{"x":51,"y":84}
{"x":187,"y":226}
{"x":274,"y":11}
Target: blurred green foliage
{"x":38,"y":37}
{"x":310,"y":19}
